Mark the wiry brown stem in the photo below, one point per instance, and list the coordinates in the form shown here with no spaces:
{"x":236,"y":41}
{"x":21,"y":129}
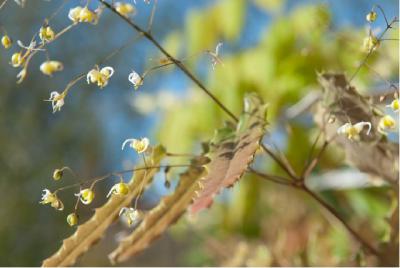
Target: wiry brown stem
{"x":177,"y":62}
{"x":328,"y":207}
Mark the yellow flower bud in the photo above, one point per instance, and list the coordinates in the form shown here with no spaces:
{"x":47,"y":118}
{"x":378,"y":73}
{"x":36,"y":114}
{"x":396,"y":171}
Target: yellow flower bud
{"x":46,"y":34}
{"x":17,"y":59}
{"x":6,"y":41}
{"x":49,"y":67}
{"x":57,"y":174}
{"x":72,"y":219}
{"x":371,"y":16}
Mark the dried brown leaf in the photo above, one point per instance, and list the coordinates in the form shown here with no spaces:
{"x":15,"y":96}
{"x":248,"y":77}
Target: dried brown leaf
{"x":156,"y":221}
{"x":373,"y":154}
{"x":90,"y":232}
{"x":231,"y":152}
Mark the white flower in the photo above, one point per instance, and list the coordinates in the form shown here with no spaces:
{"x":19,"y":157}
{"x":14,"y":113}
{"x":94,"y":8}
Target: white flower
{"x":132,"y":215}
{"x":135,"y":79}
{"x":215,"y":56}
{"x":52,"y":199}
{"x":100,"y":77}
{"x":353,"y":131}
{"x":140,"y":146}
{"x":57,"y":100}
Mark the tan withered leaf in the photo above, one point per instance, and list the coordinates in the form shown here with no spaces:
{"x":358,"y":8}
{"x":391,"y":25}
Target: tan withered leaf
{"x":88,"y":233}
{"x":231,"y":151}
{"x":373,"y":154}
{"x":157,"y":220}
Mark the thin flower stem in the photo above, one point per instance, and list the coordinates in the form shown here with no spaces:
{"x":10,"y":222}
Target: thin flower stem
{"x":270,"y":177}
{"x":388,"y":26}
{"x":179,"y":155}
{"x":285,"y":167}
{"x":2,"y":4}
{"x":77,"y":202}
{"x":178,"y":63}
{"x":151,"y":18}
{"x":383,"y":13}
{"x":116,"y":173}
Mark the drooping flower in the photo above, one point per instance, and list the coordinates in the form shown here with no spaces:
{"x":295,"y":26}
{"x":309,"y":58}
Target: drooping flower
{"x":130,"y":214}
{"x":72,"y":219}
{"x":371,"y":16}
{"x":6,"y":41}
{"x":140,"y":146}
{"x":46,"y":34}
{"x":86,"y":196}
{"x":52,"y":199}
{"x":57,"y":100}
{"x":51,"y":66}
{"x":394,"y":105}
{"x":353,"y":131}
{"x":100,"y":77}
{"x":135,"y":79}
{"x":119,"y":189}
{"x":386,"y":123}
{"x":125,"y":9}
{"x":17,"y":59}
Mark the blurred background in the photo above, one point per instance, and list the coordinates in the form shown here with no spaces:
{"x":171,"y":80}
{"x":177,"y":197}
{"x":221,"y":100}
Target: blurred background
{"x":273,"y":47}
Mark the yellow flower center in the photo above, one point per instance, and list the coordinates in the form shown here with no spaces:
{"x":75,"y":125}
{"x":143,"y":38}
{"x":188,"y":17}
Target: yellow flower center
{"x":352,"y":132}
{"x":395,"y":105}
{"x":122,"y":188}
{"x":46,"y":34}
{"x":388,"y":121}
{"x":371,"y":16}
{"x":87,"y":196}
{"x":87,"y":15}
